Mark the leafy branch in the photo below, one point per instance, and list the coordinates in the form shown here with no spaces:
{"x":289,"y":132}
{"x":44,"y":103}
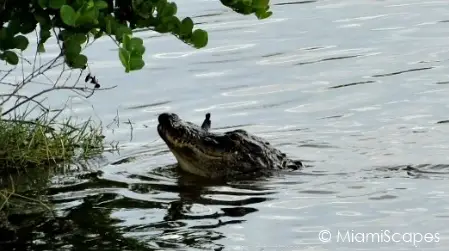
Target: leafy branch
{"x":76,"y":22}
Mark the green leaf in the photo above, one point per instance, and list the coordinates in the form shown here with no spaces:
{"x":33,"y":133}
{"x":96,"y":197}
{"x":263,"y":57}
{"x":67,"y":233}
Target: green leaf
{"x":40,"y":47}
{"x":161,"y":28}
{"x":121,"y":31}
{"x":101,"y":4}
{"x":140,"y":50}
{"x":126,"y":41}
{"x":136,"y":63}
{"x":28,"y":24}
{"x":56,"y":4}
{"x":3,"y":34}
{"x":21,"y":42}
{"x":199,"y":38}
{"x":90,"y":4}
{"x":143,"y":8}
{"x":65,"y":35}
{"x":44,"y":35}
{"x":14,"y":26}
{"x":11,"y":57}
{"x":97,"y":33}
{"x":68,"y":15}
{"x":43,"y":3}
{"x":71,"y":49}
{"x":109,"y":25}
{"x":172,"y":24}
{"x":260,"y":3}
{"x":87,"y":16}
{"x":169,"y":9}
{"x":124,"y":58}
{"x":79,"y":38}
{"x":136,"y":43}
{"x":6,"y":40}
{"x":247,"y":2}
{"x":42,"y":19}
{"x":262,"y":14}
{"x":186,"y":26}
{"x":79,"y":61}
{"x":77,"y":4}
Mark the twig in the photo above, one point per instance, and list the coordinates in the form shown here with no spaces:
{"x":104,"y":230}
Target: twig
{"x":68,"y":77}
{"x":57,"y":40}
{"x":47,"y":66}
{"x":7,"y":73}
{"x":37,"y":49}
{"x":115,"y":41}
{"x":132,"y":129}
{"x":71,"y":88}
{"x":26,"y":97}
{"x":4,"y":83}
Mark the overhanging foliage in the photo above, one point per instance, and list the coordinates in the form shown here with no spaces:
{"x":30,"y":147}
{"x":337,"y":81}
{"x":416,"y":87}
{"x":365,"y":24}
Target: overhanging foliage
{"x":75,"y":23}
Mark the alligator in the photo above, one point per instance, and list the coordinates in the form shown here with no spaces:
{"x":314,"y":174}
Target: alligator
{"x":215,"y":155}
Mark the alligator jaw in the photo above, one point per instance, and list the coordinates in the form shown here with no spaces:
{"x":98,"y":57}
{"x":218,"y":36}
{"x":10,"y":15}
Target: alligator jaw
{"x":186,"y":142}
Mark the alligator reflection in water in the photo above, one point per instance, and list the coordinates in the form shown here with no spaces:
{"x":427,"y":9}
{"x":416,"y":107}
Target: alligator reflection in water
{"x":96,"y":215}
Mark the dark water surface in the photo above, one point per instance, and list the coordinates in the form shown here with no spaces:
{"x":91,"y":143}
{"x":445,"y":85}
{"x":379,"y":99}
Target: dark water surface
{"x":354,"y":88}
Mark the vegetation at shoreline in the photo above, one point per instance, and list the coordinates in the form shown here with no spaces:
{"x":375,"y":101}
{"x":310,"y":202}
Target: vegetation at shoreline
{"x":75,"y":25}
{"x":32,"y":134}
{"x":43,"y":142}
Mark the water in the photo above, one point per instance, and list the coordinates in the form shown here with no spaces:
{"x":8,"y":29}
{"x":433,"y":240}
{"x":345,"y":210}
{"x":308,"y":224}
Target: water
{"x":355,"y":89}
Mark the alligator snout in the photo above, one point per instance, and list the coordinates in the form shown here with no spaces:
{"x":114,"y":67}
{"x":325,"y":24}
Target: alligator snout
{"x":167,"y":118}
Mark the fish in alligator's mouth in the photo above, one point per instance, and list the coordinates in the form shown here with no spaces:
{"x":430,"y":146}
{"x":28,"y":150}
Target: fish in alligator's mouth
{"x":214,"y":155}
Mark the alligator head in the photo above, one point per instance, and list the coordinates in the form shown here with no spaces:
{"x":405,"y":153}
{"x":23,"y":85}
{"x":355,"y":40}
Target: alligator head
{"x":214,"y":155}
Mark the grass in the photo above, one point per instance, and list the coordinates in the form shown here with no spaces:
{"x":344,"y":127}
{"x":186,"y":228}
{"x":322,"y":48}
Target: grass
{"x":39,"y":144}
{"x":43,"y":142}
{"x":46,"y":143}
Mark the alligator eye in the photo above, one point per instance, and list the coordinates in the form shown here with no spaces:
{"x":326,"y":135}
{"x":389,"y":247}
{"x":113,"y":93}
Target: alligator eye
{"x":234,"y":137}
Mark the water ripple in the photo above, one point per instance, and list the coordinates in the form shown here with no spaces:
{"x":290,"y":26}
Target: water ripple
{"x":318,"y":54}
{"x":296,"y":2}
{"x":352,"y":84}
{"x":401,"y":72}
{"x":267,"y":89}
